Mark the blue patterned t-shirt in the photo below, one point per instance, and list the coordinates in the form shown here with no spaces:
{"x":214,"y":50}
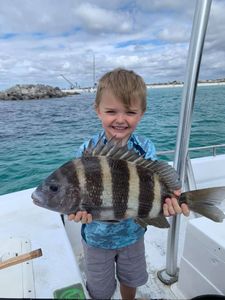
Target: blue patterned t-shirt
{"x":116,"y":235}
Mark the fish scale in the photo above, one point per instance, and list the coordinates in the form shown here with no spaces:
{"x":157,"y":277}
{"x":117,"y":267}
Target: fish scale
{"x":93,"y":179}
{"x":120,"y":186}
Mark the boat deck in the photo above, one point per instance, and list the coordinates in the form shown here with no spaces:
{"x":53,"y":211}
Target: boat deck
{"x":22,"y":222}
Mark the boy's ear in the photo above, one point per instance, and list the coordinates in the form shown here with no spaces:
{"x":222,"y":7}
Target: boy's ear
{"x":97,"y":110}
{"x":142,"y":114}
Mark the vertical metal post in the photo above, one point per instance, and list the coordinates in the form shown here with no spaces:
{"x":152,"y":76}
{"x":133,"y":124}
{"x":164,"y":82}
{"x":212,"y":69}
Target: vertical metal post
{"x":93,"y":69}
{"x":201,"y":16}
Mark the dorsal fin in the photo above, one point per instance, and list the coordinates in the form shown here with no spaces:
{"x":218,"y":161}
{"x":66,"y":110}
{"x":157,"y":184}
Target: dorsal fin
{"x":114,"y":150}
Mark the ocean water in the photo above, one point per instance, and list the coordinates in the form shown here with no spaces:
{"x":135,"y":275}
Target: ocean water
{"x":37,"y":136}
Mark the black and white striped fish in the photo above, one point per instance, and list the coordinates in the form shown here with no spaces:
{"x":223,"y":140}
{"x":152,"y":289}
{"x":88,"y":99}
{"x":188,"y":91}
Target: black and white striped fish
{"x":113,"y":183}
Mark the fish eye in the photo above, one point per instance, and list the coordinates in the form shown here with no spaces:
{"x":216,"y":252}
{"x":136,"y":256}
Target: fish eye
{"x":54,"y":188}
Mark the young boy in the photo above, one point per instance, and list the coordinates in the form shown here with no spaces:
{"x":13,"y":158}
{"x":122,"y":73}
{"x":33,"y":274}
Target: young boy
{"x":120,"y":104}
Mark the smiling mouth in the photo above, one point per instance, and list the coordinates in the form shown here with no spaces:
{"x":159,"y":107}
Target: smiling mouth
{"x":119,"y":127}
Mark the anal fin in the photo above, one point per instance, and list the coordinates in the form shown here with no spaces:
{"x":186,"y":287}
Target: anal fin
{"x":160,"y":222}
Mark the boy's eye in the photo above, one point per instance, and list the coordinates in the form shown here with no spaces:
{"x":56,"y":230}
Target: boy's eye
{"x":131,"y":113}
{"x":110,"y":112}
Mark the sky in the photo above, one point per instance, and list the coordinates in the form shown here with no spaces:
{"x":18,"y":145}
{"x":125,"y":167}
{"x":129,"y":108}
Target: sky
{"x":44,"y":40}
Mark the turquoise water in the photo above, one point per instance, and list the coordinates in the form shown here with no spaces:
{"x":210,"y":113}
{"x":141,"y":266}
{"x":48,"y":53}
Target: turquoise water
{"x":37,"y":136}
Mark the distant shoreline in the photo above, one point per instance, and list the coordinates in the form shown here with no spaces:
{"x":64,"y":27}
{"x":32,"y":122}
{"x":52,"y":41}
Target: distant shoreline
{"x":149,"y":86}
{"x":158,"y":86}
{"x":40,"y":91}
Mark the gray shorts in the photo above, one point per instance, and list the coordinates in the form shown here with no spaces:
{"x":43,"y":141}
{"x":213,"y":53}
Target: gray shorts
{"x":101,"y":265}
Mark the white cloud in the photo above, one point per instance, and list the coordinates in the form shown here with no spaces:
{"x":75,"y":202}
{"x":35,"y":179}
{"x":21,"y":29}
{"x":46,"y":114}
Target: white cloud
{"x":42,"y":39}
{"x":102,"y":20}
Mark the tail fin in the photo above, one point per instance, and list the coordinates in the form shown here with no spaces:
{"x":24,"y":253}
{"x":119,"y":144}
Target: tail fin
{"x":204,"y":202}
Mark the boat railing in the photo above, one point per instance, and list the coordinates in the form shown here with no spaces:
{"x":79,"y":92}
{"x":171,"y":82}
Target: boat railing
{"x":211,"y":148}
{"x":169,"y":275}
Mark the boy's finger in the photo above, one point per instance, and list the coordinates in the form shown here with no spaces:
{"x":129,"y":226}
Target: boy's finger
{"x":185,"y":209}
{"x":71,"y":217}
{"x":176,"y":206}
{"x":78,"y":216}
{"x":89,"y":218}
{"x":177,"y":193}
{"x":84,"y":219}
{"x":169,"y":207}
{"x":165,"y":210}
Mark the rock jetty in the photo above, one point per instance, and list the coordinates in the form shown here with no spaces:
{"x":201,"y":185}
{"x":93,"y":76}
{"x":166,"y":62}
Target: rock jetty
{"x":32,"y":91}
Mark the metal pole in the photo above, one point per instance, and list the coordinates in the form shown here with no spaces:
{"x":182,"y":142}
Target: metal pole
{"x":201,"y":16}
{"x":93,"y":69}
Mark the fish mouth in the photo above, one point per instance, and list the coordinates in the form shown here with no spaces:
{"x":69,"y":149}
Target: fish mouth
{"x":37,"y":199}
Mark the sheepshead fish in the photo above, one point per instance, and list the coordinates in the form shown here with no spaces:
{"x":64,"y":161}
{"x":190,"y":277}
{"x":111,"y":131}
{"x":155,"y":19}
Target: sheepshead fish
{"x":113,"y":183}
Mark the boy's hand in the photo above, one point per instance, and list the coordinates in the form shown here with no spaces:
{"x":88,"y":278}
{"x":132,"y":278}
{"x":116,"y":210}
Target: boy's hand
{"x":81,"y":216}
{"x":171,"y":206}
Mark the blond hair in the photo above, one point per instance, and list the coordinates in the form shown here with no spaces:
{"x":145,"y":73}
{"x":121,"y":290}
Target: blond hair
{"x":126,"y":85}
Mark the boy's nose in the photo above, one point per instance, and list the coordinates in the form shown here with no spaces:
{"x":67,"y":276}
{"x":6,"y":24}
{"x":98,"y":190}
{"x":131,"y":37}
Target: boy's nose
{"x":120,"y":118}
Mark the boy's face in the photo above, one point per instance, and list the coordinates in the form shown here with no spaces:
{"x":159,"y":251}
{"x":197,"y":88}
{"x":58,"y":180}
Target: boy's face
{"x":117,"y":120}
